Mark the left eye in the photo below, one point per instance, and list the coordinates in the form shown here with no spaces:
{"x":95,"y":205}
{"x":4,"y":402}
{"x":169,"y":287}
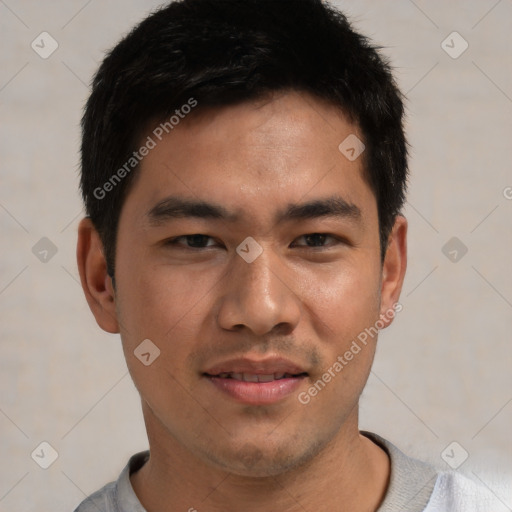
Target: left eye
{"x":199,"y":241}
{"x":318,"y":239}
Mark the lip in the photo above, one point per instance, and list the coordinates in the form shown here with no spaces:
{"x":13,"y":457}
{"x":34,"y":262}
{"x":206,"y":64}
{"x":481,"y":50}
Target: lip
{"x":257,"y":393}
{"x":257,"y":367}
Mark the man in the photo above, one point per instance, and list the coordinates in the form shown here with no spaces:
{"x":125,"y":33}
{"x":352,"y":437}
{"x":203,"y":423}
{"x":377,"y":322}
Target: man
{"x":243,"y":169}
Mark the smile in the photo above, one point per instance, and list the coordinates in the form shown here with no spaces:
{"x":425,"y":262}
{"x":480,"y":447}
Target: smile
{"x":256,"y":389}
{"x":253,"y":377}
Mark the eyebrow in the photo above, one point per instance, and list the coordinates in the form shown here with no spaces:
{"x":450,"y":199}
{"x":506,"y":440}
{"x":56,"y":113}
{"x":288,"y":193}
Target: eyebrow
{"x":174,"y":207}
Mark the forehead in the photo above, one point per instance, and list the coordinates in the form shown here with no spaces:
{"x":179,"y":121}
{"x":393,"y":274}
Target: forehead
{"x":255,"y":157}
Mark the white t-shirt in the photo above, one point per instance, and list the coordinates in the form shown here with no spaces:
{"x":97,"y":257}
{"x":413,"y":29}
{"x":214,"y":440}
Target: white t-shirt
{"x":456,"y":493}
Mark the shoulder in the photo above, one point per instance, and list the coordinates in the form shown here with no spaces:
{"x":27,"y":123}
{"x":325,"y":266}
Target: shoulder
{"x":102,"y":500}
{"x":456,"y":492}
{"x":117,"y":496}
{"x":411,"y":481}
{"x":417,"y":486}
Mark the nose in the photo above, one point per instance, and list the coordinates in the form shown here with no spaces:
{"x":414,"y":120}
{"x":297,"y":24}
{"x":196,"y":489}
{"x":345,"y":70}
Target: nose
{"x":258,"y":296}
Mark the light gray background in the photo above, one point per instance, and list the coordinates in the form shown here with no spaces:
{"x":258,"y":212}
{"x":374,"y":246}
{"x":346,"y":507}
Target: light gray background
{"x":443,"y":369}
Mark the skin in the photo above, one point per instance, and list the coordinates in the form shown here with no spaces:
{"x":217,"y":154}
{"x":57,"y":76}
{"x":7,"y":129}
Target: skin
{"x":203,"y":306}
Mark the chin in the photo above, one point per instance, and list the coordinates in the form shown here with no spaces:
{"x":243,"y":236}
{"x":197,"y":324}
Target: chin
{"x":251,"y":460}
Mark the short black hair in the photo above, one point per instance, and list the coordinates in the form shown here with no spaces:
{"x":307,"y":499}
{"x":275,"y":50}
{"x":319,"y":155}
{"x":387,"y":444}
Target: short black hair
{"x":222,"y":52}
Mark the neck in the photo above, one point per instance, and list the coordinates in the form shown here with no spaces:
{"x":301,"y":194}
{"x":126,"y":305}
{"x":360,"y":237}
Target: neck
{"x":350,"y":473}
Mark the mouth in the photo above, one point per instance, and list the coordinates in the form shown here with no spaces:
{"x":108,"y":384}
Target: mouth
{"x":256,"y":388}
{"x":256,"y":377}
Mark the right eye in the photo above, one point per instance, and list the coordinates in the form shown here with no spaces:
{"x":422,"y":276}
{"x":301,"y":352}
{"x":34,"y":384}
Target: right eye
{"x":196,"y":241}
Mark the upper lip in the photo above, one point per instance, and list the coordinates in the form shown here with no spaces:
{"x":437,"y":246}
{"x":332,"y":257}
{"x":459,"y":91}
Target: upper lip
{"x":257,"y":367}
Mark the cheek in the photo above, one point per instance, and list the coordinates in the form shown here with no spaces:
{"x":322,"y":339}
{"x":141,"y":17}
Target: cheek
{"x":165,"y":307}
{"x":343,"y":300}
{"x":163,"y":301}
{"x":345,"y":304}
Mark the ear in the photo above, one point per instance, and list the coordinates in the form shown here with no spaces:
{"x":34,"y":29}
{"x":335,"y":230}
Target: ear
{"x":96,"y":283}
{"x":393,"y":270}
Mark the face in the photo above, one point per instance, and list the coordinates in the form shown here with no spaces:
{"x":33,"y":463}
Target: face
{"x":248,"y":253}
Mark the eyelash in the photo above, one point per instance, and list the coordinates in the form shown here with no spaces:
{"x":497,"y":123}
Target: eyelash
{"x":174,"y":241}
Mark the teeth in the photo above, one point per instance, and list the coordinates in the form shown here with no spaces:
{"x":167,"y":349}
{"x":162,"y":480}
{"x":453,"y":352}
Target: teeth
{"x":251,"y":377}
{"x":248,"y":377}
{"x":266,"y":378}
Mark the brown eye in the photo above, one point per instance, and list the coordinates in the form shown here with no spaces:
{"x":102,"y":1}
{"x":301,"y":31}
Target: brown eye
{"x":318,"y":239}
{"x":196,"y":241}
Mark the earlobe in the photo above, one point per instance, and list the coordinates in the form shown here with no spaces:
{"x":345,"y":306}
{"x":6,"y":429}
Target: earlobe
{"x":96,"y":282}
{"x":393,"y":270}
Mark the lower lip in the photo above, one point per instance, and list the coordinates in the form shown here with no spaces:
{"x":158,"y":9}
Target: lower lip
{"x":257,"y":393}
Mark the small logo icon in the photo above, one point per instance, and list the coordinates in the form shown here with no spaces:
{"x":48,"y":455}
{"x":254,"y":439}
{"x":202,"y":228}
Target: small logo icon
{"x":249,"y":249}
{"x":146,"y":352}
{"x":454,"y":455}
{"x":44,"y":45}
{"x":44,"y":250}
{"x":44,"y":455}
{"x":454,"y":249}
{"x":454,"y":45}
{"x":507,"y":192}
{"x":352,"y":147}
